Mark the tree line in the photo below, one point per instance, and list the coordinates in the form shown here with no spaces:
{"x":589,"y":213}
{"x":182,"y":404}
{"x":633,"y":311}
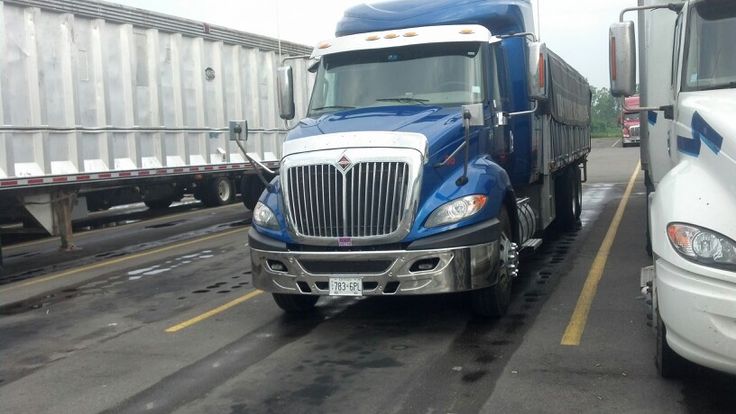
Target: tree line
{"x":605,"y":113}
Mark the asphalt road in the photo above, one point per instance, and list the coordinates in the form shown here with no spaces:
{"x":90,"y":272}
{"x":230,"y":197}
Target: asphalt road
{"x":159,"y":316}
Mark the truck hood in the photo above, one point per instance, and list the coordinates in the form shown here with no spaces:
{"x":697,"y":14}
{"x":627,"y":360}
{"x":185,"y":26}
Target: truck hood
{"x":441,"y":125}
{"x":706,"y":133}
{"x":705,"y":124}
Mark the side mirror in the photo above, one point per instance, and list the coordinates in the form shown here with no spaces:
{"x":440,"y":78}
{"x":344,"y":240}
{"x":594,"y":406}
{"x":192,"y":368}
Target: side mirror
{"x":285,"y":85}
{"x":622,"y":55}
{"x":537,"y":71}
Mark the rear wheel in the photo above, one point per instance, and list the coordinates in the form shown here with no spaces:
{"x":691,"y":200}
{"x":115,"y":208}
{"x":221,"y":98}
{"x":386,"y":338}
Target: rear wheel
{"x":295,"y":303}
{"x":218,"y":192}
{"x":568,"y":197}
{"x":577,"y":192}
{"x":494,"y":301}
{"x":669,"y":363}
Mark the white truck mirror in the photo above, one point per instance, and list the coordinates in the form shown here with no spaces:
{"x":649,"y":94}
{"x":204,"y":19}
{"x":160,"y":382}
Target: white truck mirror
{"x":285,"y":85}
{"x":622,"y":55}
{"x":537,"y":71}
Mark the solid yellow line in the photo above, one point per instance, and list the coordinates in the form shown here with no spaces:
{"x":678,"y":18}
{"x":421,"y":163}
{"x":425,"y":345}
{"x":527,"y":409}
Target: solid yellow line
{"x":576,"y":326}
{"x":213,"y":312}
{"x":84,"y":234}
{"x":118,"y":260}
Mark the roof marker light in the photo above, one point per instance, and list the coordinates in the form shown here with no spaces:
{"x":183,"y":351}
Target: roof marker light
{"x":324,"y":45}
{"x":467,"y":31}
{"x":410,"y":34}
{"x":372,"y":38}
{"x":391,"y":36}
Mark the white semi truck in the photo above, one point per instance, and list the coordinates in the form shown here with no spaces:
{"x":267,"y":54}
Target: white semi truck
{"x":687,"y":75}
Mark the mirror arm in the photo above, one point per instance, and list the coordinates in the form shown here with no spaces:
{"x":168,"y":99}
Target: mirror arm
{"x":520,"y":34}
{"x":257,"y":165}
{"x":297,"y":57}
{"x":675,"y":7}
{"x":531,"y":111}
{"x":451,"y":156}
{"x":667,"y":109}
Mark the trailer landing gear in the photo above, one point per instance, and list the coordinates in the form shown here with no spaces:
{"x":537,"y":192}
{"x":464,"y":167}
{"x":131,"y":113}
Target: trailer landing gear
{"x":62,"y":205}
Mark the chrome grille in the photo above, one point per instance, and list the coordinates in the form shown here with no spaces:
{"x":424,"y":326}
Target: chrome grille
{"x":368,"y":200}
{"x":634,"y":131}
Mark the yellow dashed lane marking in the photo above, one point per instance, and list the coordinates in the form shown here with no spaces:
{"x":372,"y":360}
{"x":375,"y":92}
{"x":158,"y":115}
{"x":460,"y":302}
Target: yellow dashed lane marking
{"x":210,"y":313}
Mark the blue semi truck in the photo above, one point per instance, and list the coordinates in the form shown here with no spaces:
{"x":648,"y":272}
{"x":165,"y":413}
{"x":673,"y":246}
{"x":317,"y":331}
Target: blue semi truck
{"x":441,"y":140}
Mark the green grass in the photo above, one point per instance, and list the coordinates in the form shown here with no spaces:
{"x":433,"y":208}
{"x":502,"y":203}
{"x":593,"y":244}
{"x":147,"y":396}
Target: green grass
{"x":606,"y":133}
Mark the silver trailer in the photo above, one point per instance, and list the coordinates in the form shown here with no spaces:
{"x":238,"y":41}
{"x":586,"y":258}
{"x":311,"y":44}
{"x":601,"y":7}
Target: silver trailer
{"x":104,"y":104}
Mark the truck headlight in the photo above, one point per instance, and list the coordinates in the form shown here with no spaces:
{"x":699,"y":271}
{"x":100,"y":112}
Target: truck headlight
{"x":702,"y":245}
{"x":456,"y":210}
{"x":264,"y":217}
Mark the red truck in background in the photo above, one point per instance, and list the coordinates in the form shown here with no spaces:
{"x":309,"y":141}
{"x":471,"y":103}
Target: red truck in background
{"x":630,"y":121}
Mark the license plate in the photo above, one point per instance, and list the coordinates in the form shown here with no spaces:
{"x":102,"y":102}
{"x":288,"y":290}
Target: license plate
{"x":346,"y":286}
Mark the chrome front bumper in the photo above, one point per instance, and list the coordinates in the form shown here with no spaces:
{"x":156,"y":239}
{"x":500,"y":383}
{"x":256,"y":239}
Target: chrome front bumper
{"x":457,"y":269}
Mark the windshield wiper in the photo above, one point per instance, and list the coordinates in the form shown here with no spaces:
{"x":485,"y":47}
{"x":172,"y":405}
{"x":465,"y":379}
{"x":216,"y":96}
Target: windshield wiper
{"x":333,"y":107}
{"x":404,"y":99}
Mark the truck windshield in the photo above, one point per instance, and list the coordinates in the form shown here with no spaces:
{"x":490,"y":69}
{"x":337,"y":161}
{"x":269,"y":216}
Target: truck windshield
{"x":710,"y":58}
{"x":432,"y":74}
{"x":631,"y":116}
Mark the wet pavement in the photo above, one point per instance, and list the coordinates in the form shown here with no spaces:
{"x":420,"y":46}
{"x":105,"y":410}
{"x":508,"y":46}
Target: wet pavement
{"x":173,"y":325}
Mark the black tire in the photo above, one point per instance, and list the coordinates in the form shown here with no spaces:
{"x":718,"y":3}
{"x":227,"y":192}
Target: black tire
{"x":295,"y":303}
{"x":650,"y":187}
{"x":568,"y":200}
{"x":251,"y":188}
{"x":161,"y":204}
{"x":218,"y":192}
{"x":669,"y":363}
{"x":577,"y":192}
{"x":493,"y":302}
{"x":98,"y":204}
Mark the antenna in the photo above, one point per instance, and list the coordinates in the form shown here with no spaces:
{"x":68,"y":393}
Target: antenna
{"x":278,"y":28}
{"x":539,"y":22}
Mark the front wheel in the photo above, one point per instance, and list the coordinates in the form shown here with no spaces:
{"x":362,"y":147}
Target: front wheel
{"x":295,"y":303}
{"x":494,"y":301}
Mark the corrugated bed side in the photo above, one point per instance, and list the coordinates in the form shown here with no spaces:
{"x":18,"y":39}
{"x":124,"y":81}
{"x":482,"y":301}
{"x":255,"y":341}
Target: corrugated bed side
{"x":108,"y":88}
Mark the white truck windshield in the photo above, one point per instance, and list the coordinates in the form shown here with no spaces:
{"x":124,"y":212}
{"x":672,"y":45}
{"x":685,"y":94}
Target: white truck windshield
{"x":432,"y":74}
{"x":710,"y":58}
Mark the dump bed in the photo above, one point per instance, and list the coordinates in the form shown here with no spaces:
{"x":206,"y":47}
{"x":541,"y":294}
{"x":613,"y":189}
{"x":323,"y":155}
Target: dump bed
{"x":96,"y":91}
{"x":570,"y":112}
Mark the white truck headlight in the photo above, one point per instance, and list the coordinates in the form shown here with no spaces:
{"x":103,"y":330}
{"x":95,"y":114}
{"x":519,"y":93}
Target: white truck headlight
{"x":456,"y":210}
{"x":702,"y":245}
{"x":264,"y":217}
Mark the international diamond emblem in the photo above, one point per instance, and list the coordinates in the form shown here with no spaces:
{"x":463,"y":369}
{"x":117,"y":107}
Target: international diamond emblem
{"x":344,"y":162}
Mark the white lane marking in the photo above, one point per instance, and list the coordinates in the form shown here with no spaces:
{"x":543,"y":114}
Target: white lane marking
{"x":616,"y":143}
{"x":158,"y":269}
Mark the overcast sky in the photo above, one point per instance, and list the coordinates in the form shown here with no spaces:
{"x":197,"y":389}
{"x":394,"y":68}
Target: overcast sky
{"x":577,"y":30}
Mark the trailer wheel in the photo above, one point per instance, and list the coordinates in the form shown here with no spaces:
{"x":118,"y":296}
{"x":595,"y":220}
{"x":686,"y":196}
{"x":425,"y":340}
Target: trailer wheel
{"x":295,"y":303}
{"x":669,"y":363}
{"x":160,"y":204}
{"x":217,"y":192}
{"x":494,"y":301}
